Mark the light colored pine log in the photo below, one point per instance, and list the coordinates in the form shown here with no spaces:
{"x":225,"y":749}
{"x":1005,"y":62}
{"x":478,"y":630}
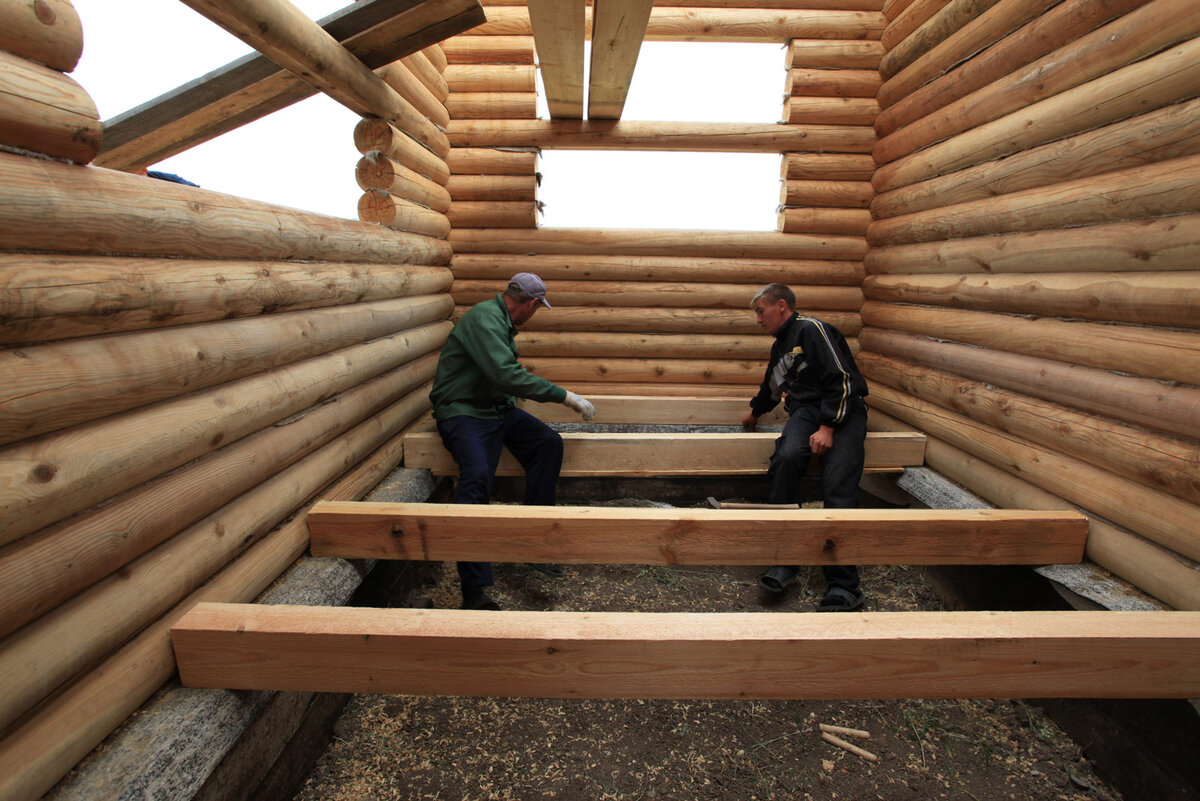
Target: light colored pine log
{"x":1156,"y":461}
{"x":567,"y":370}
{"x":1162,"y":134}
{"x":848,"y":222}
{"x":384,"y":208}
{"x":48,"y":32}
{"x":592,"y":454}
{"x":667,"y":295}
{"x":113,"y":294}
{"x":493,"y":187}
{"x":827,"y":167}
{"x":827,"y":194}
{"x":377,"y":171}
{"x":1153,"y":405}
{"x":711,"y":137}
{"x":558,"y":34}
{"x":668,"y":321}
{"x":689,"y":655}
{"x":47,"y":568}
{"x":1160,"y":80}
{"x":60,"y":474}
{"x":1160,"y":517}
{"x":787,"y":5}
{"x":1139,"y":34}
{"x":398,"y":76}
{"x":834,"y":54}
{"x":1153,"y":353}
{"x":420,"y":66}
{"x":654,"y":242}
{"x":830,"y":110}
{"x":374,"y":134}
{"x":492,"y":77}
{"x":672,"y":346}
{"x":812,"y":82}
{"x":492,"y":105}
{"x":436,"y":56}
{"x":57,"y":385}
{"x":894,"y":8}
{"x":1151,"y":245}
{"x":489,"y":161}
{"x":676,"y":408}
{"x":948,"y":20}
{"x":1163,"y":188}
{"x":618,"y":28}
{"x":615,"y":535}
{"x":44,"y":111}
{"x":68,"y":209}
{"x":501,"y":267}
{"x":489,"y":49}
{"x":903,"y":22}
{"x":492,"y":214}
{"x":656,"y":390}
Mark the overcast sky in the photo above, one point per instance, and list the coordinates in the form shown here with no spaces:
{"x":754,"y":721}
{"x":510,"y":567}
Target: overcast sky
{"x":304,"y":156}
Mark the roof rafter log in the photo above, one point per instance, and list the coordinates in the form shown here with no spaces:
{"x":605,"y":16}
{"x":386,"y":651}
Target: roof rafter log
{"x":558,"y":35}
{"x":618,"y":29}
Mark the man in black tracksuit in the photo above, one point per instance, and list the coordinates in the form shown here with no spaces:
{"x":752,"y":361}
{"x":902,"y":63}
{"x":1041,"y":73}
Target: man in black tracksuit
{"x":812,"y":370}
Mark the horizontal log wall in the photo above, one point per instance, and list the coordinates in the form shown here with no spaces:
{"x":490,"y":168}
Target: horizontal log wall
{"x":1032,"y":293}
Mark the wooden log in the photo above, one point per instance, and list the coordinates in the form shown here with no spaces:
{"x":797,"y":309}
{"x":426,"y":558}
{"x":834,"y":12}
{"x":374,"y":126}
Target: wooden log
{"x":902,"y":23}
{"x":949,"y":19}
{"x":1156,"y":461}
{"x":672,"y":346}
{"x":377,"y":171}
{"x":558,"y":34}
{"x":668,"y":321}
{"x":827,"y":167}
{"x":674,"y":409}
{"x":789,"y":5}
{"x":618,"y":28}
{"x":1173,"y":409}
{"x":111,"y":294}
{"x":420,"y":66}
{"x":48,"y":32}
{"x":661,"y":268}
{"x":711,"y":137}
{"x":1139,"y":34}
{"x":398,"y":76}
{"x":1159,"y":189}
{"x":488,"y":161}
{"x":567,"y":369}
{"x":615,"y":535}
{"x":44,"y":111}
{"x":492,"y":105}
{"x":827,"y":194}
{"x":1009,"y":35}
{"x":67,"y":209}
{"x":436,"y":56}
{"x":812,"y":82}
{"x":374,"y":134}
{"x":849,"y":222}
{"x":834,"y":54}
{"x":1160,"y":517}
{"x":1165,"y":244}
{"x":492,"y":77}
{"x":830,"y":110}
{"x":280,"y":31}
{"x":1138,"y":561}
{"x":489,"y":49}
{"x":493,"y":187}
{"x":1167,"y":299}
{"x":78,"y":634}
{"x":1153,"y":353}
{"x":652,"y":242}
{"x":661,"y":391}
{"x":47,"y":568}
{"x":667,"y":295}
{"x":1162,"y":134}
{"x":57,"y":385}
{"x":1157,"y":81}
{"x":492,"y":214}
{"x":384,"y":208}
{"x":894,"y":8}
{"x":57,"y":475}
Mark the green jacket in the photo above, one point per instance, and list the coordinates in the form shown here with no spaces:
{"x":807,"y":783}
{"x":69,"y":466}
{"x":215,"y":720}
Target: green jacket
{"x":478,"y":373}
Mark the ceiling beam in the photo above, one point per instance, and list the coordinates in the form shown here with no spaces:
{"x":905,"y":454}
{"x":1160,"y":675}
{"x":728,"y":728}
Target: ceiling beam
{"x":558,"y":34}
{"x":618,"y":28}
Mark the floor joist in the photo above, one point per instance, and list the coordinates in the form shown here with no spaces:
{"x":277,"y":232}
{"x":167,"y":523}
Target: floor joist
{"x":691,"y":655}
{"x":604,"y":454}
{"x":627,"y":535}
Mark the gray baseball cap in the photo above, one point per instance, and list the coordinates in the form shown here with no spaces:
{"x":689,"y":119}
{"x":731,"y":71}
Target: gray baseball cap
{"x":528,"y":285}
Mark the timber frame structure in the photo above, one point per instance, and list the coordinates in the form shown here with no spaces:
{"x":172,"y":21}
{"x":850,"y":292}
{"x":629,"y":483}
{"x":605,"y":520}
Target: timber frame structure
{"x":998,"y":201}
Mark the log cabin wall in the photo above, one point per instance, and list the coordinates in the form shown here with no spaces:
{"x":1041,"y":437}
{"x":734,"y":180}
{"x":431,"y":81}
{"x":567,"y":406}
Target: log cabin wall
{"x":181,"y":373}
{"x":1032,"y":298}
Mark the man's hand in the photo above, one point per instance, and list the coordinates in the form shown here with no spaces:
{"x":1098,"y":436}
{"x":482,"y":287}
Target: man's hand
{"x":821,"y":440}
{"x":749,"y":422}
{"x":581,"y":405}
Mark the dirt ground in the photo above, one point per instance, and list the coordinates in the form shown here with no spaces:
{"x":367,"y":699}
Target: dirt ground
{"x":403,"y":747}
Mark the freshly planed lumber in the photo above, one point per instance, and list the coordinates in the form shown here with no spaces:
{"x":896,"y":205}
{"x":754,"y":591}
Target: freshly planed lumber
{"x":827,"y":194}
{"x":827,"y":167}
{"x":618,"y":28}
{"x":615,"y":535}
{"x":810,"y":82}
{"x":493,"y":77}
{"x":492,"y":105}
{"x":48,"y":32}
{"x":44,"y":111}
{"x":373,"y":134}
{"x":567,"y":370}
{"x":712,"y":137}
{"x":114,"y":294}
{"x":384,"y":208}
{"x":423,"y":68}
{"x":672,"y":346}
{"x":398,"y":76}
{"x":558,"y":34}
{"x":593,"y":454}
{"x":667,"y":295}
{"x":63,"y":208}
{"x":377,"y":171}
{"x":834,"y":54}
{"x":846,"y":222}
{"x":830,"y":110}
{"x":501,"y":267}
{"x":493,"y":214}
{"x":676,"y":408}
{"x":689,"y":655}
{"x":660,"y":320}
{"x":488,"y":161}
{"x":493,"y":187}
{"x":489,"y":50}
{"x":948,"y":19}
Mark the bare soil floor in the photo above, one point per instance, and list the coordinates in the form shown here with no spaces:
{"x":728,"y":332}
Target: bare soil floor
{"x":403,"y":747}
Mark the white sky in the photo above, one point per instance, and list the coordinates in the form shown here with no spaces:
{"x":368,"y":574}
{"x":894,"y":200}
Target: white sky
{"x":304,"y":155}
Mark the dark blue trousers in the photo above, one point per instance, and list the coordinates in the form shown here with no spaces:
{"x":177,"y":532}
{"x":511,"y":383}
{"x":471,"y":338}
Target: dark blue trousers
{"x":841,"y":470}
{"x":476,"y":444}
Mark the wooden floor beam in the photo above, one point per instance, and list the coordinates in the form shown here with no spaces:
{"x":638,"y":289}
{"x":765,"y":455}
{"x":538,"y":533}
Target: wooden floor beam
{"x":626,"y":535}
{"x":691,"y":655}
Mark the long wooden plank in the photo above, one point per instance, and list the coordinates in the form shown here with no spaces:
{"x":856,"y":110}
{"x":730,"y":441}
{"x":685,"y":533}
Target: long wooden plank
{"x":618,"y":28}
{"x":605,"y":454}
{"x":613,"y":535}
{"x":690,"y":655}
{"x":558,"y":35}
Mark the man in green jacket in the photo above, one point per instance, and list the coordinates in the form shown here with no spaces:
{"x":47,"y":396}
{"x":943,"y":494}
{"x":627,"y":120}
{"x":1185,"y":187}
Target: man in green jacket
{"x":474,"y":402}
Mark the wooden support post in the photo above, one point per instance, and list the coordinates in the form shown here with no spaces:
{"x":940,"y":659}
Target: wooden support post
{"x":558,"y":33}
{"x":45,"y":111}
{"x":48,"y":32}
{"x":618,"y":28}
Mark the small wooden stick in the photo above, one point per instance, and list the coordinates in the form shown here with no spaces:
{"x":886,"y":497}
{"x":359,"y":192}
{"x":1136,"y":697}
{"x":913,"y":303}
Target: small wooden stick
{"x":825,"y":727}
{"x":833,"y":739}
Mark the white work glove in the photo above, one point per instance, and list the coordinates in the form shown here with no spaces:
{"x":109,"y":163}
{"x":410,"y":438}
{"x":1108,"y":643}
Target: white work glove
{"x":581,"y":405}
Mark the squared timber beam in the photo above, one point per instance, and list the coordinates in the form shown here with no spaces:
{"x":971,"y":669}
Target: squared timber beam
{"x":603,"y":454}
{"x":617,"y":535}
{"x":618,"y":28}
{"x":558,"y":35}
{"x":691,"y":655}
